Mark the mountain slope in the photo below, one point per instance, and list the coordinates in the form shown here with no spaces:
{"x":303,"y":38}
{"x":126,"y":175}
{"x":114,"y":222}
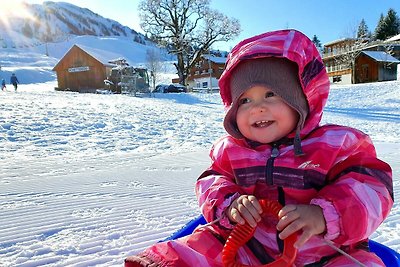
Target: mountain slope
{"x":32,"y":44}
{"x":32,"y":65}
{"x":58,"y":21}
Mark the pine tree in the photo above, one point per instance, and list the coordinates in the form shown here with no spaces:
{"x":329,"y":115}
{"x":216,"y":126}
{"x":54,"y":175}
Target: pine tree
{"x":379,"y":33}
{"x":392,"y":23}
{"x":388,"y":26}
{"x":317,"y":43}
{"x":363,"y":32}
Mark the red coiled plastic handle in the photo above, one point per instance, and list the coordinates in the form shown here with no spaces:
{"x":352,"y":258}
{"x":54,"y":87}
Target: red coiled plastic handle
{"x":242,"y":233}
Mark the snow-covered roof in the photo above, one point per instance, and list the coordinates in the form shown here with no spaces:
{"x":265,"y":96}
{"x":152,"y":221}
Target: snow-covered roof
{"x":102,"y":56}
{"x":393,"y":39}
{"x":218,"y":60}
{"x":339,"y":41}
{"x":381,"y":56}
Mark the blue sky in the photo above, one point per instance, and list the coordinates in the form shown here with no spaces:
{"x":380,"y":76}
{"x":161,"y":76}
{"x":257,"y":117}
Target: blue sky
{"x":328,"y":20}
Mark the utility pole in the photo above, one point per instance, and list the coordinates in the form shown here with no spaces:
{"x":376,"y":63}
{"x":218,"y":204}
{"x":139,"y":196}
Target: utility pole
{"x":210,"y":72}
{"x":47,"y":51}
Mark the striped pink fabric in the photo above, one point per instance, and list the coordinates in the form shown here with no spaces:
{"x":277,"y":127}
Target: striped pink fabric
{"x":295,"y":46}
{"x":339,"y":172}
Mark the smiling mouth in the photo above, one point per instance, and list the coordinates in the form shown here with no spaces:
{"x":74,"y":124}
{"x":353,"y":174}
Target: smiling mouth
{"x":261,"y":124}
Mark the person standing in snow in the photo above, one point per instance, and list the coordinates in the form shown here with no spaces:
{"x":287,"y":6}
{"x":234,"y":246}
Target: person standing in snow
{"x":14,"y":81}
{"x":334,"y":190}
{"x":3,"y":84}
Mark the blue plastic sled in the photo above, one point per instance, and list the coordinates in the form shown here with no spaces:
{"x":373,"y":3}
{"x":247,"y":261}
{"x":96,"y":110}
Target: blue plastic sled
{"x":389,"y":256}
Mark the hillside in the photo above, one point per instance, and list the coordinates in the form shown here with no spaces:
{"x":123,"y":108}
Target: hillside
{"x":31,"y":45}
{"x":57,"y":21}
{"x":32,"y":65}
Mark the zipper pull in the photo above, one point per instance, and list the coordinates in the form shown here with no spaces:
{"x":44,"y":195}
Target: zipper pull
{"x":274,"y":152}
{"x":269,"y":169}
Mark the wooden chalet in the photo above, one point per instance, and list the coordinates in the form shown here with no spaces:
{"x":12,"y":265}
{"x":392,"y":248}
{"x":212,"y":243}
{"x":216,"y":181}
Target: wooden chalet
{"x":338,"y":71}
{"x":206,"y":73}
{"x":349,"y":61}
{"x":375,"y":66}
{"x":84,"y":69}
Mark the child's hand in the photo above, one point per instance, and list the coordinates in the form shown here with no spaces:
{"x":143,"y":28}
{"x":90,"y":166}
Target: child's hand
{"x":245,"y":208}
{"x":308,"y":218}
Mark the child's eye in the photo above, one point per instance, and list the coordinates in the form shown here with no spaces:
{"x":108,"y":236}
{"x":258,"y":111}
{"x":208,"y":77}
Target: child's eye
{"x":269,"y":94}
{"x":244,"y":101}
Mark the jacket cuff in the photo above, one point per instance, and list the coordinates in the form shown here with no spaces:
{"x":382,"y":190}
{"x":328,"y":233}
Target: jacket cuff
{"x":331,"y":218}
{"x":220,"y":213}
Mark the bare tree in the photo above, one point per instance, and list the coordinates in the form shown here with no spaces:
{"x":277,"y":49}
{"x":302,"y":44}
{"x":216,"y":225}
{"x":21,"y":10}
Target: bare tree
{"x":154,"y":64}
{"x":188,"y":28}
{"x":345,"y":59}
{"x":351,"y":30}
{"x":389,"y":50}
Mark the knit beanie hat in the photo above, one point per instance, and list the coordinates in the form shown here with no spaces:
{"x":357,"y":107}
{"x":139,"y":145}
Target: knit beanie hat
{"x":278,"y":74}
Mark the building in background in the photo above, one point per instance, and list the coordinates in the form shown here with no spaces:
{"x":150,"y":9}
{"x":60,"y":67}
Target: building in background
{"x":357,"y":61}
{"x":205,"y":74}
{"x":88,"y":70}
{"x":375,"y":66}
{"x":83,"y":69}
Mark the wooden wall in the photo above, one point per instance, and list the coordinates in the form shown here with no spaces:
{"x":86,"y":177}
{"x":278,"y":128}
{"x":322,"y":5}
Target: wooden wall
{"x":217,"y":70}
{"x":366,"y":69}
{"x":369,"y":70}
{"x":79,"y":71}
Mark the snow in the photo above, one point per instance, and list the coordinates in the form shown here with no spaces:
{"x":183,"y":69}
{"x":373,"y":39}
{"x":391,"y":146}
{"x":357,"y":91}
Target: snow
{"x":88,"y":179}
{"x":26,"y":25}
{"x":31,"y":65}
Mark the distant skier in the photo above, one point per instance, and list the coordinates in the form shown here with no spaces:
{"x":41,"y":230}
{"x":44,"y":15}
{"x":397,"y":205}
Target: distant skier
{"x":3,"y":84}
{"x":14,"y":81}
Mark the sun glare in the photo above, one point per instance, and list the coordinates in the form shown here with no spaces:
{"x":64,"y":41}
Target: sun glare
{"x":9,"y":9}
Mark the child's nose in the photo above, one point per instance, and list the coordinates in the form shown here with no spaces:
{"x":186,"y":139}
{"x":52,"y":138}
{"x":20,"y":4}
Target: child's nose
{"x":260,"y":106}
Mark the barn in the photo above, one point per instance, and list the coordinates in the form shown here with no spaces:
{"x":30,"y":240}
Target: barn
{"x":83,"y":69}
{"x":375,"y":66}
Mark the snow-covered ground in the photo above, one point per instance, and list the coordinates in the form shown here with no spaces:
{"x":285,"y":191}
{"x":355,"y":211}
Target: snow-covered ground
{"x":32,"y":65}
{"x":88,"y":179}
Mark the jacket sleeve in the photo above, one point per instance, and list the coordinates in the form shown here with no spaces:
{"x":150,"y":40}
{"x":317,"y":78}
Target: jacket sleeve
{"x":216,"y":187}
{"x":359,"y":194}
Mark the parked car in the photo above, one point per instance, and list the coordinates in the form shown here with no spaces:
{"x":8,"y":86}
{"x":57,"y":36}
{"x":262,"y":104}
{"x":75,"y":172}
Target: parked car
{"x":170,"y":88}
{"x":176,"y":88}
{"x":161,"y":88}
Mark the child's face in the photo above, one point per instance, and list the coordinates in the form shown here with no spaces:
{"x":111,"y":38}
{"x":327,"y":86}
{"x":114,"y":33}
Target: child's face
{"x":263,"y":116}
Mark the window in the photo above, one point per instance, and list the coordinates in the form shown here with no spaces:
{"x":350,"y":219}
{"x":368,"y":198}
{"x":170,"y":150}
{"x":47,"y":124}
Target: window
{"x":337,"y":78}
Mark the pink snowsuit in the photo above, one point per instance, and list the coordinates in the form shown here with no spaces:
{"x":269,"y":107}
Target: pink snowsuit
{"x":339,"y":172}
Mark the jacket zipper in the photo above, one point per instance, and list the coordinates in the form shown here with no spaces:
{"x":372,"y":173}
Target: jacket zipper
{"x":281,"y":196}
{"x":270,"y":164}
